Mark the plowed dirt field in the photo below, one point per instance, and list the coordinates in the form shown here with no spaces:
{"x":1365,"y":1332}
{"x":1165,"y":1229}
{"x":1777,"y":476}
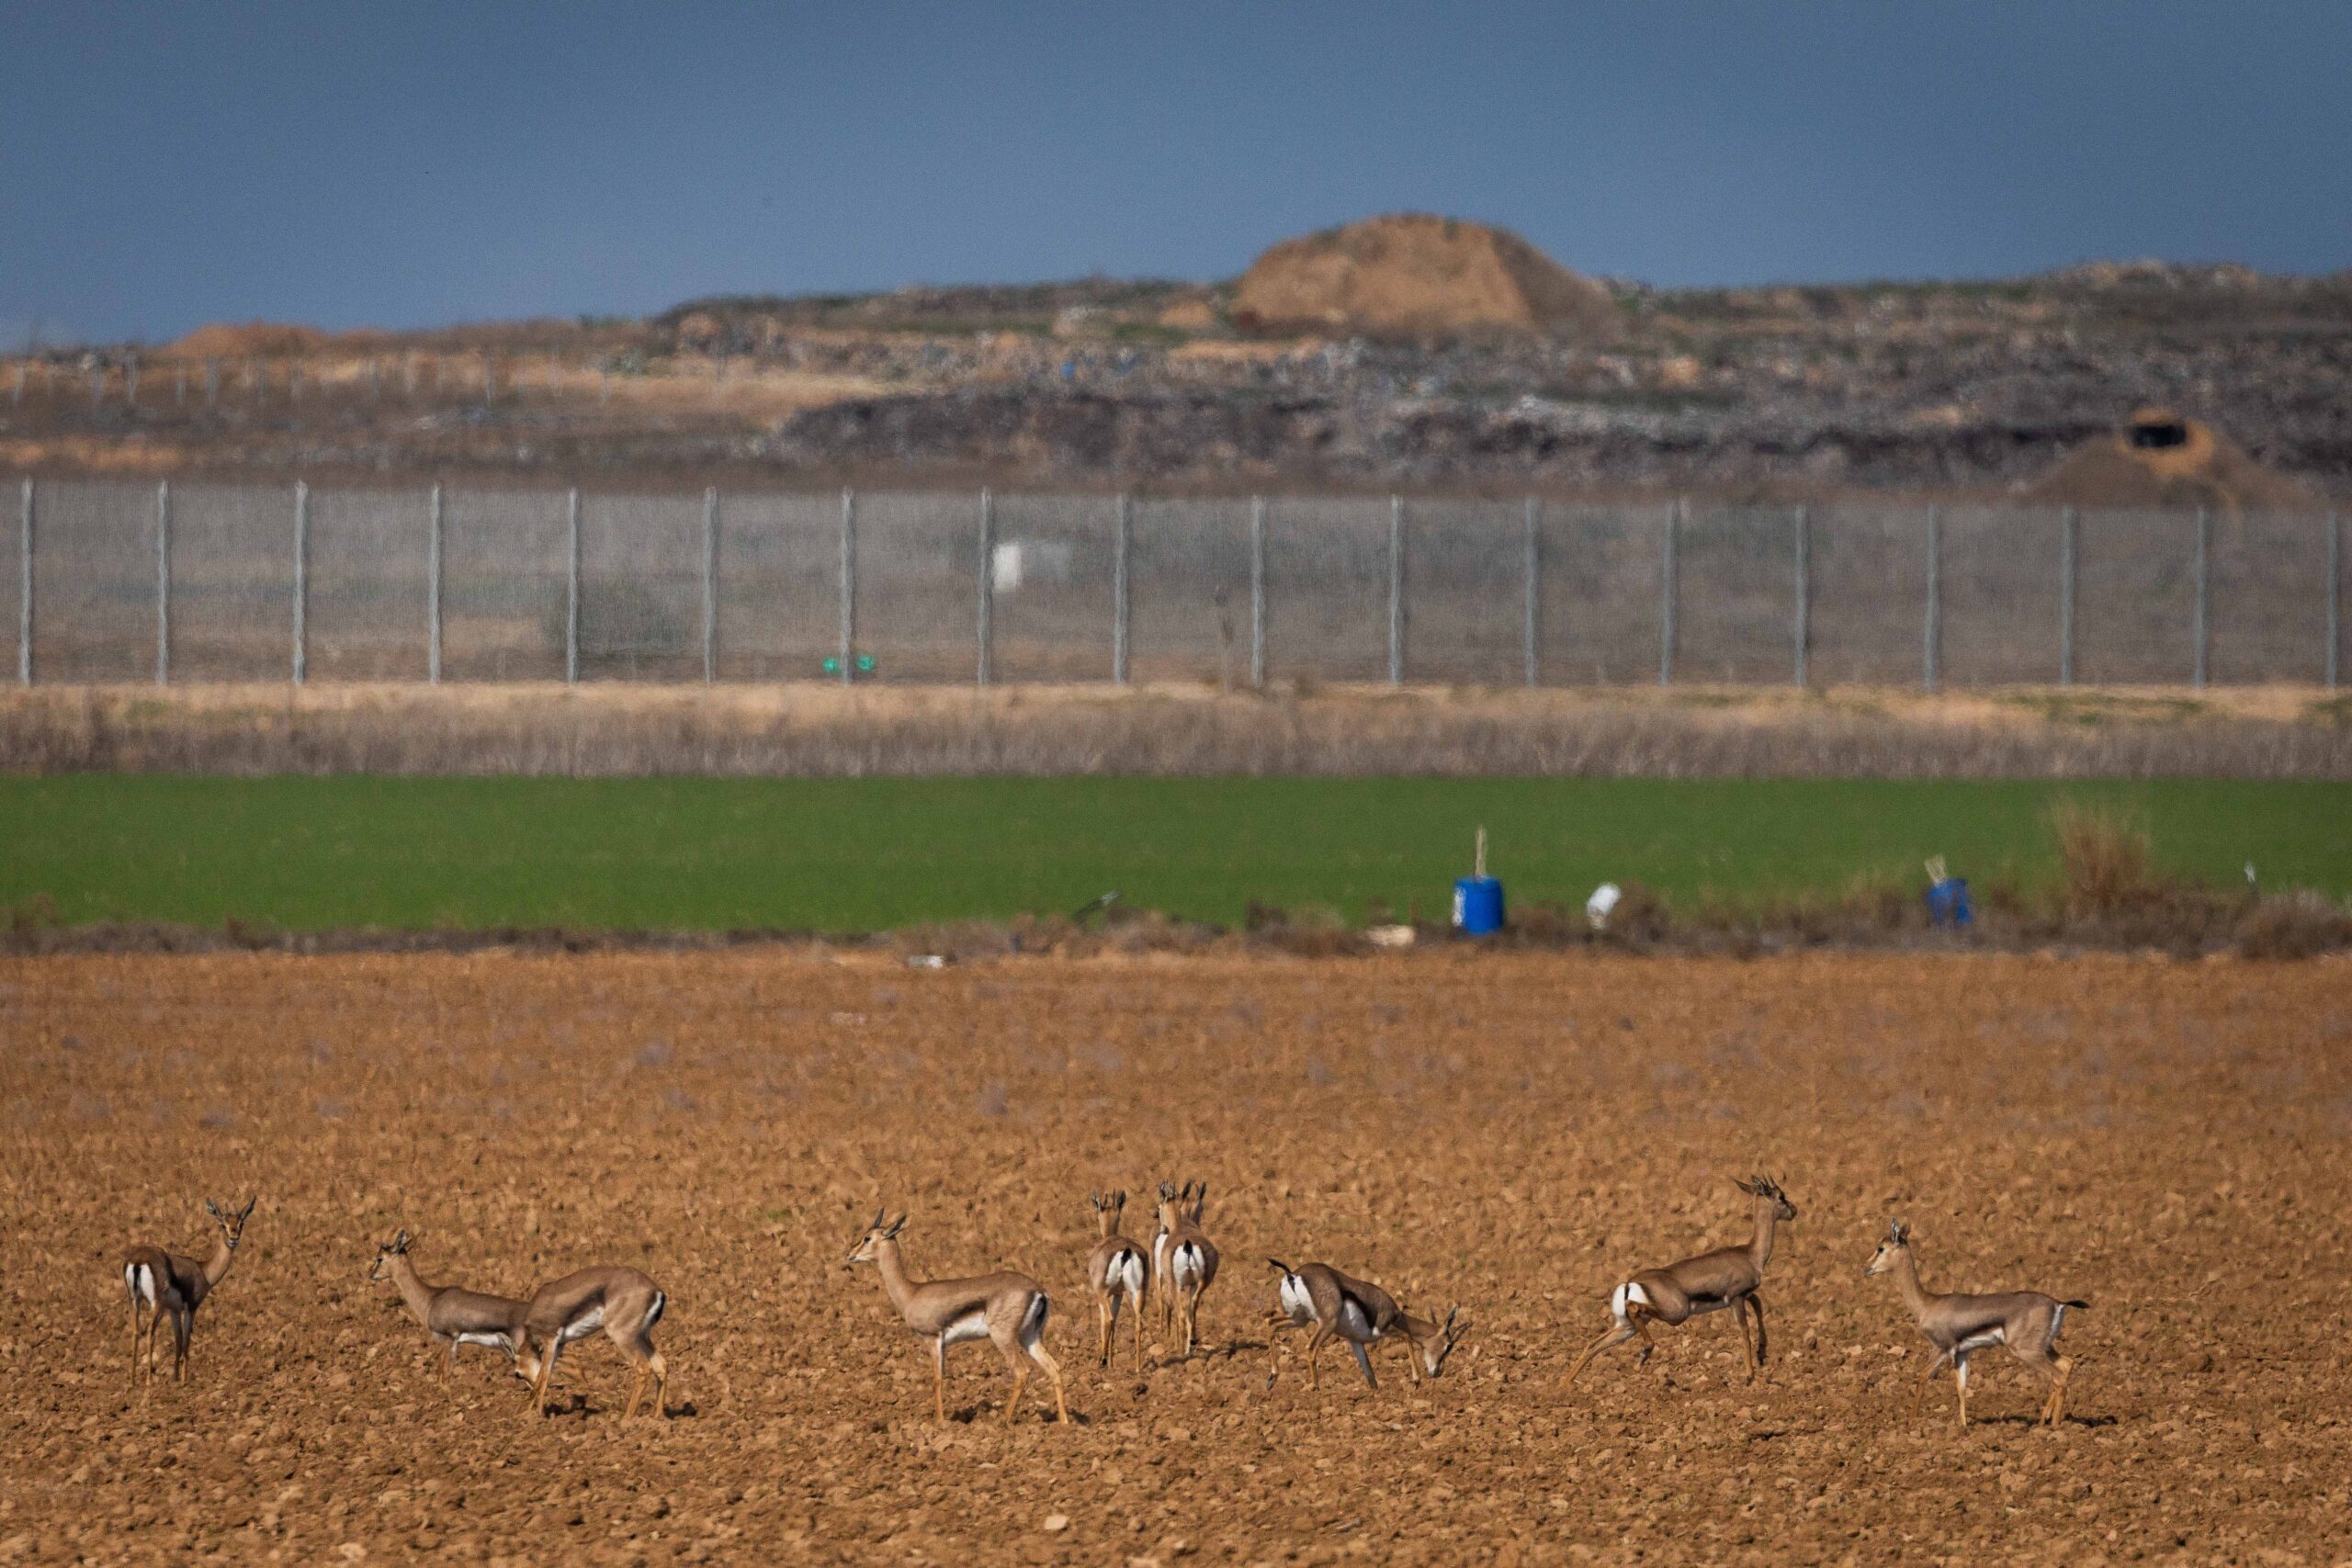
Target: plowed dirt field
{"x":2173,"y":1141}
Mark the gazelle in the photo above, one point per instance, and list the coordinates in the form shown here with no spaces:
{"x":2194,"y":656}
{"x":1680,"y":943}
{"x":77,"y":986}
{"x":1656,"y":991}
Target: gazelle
{"x":1007,"y":1309}
{"x":2024,"y":1322}
{"x":1114,"y":1270}
{"x":165,"y":1285}
{"x":1728,"y":1277}
{"x":451,"y":1314}
{"x":623,"y":1302}
{"x":1319,"y":1297}
{"x":1183,"y":1260}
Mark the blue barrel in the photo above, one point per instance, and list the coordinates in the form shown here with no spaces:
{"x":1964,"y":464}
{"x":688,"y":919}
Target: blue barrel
{"x":1477,"y":906}
{"x":1948,"y":902}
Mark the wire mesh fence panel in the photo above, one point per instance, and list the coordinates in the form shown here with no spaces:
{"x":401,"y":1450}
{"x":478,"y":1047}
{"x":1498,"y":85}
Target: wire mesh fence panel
{"x":640,"y":587}
{"x":779,"y":586}
{"x":2001,"y":596}
{"x":918,"y":586}
{"x":2136,"y":605}
{"x":1327,"y":589}
{"x":93,"y":581}
{"x":1051,"y":576}
{"x":1189,"y":591}
{"x":12,"y":496}
{"x":1599,"y":593}
{"x":506,"y":562}
{"x":1868,"y":575}
{"x":1737,"y":611}
{"x":1465,"y":591}
{"x":2268,"y":597}
{"x":369,"y":584}
{"x":233,"y":582}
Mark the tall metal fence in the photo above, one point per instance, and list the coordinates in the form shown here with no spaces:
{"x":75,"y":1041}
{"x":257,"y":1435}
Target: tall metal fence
{"x":118,"y":582}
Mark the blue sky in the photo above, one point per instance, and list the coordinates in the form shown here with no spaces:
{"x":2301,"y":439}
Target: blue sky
{"x":403,"y":165}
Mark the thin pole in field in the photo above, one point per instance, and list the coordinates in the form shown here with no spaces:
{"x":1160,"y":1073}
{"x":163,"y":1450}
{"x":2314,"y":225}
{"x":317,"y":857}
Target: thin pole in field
{"x":302,"y":582}
{"x":25,"y":589}
{"x":1533,"y":572}
{"x":1396,"y":590}
{"x":1670,"y":573}
{"x":1804,"y":631}
{"x":1257,"y":592}
{"x":848,"y":579}
{"x":432,"y":594}
{"x":986,"y":594}
{"x":1932,"y":649}
{"x":2202,"y":618}
{"x":2068,"y":523}
{"x":1119,"y":592}
{"x":709,"y":585}
{"x":163,"y":582}
{"x":571,"y":591}
{"x":2334,"y":582}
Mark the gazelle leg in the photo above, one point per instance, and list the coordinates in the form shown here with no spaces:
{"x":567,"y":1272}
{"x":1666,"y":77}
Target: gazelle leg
{"x":2058,"y":1395}
{"x":1919,"y":1384}
{"x":1615,"y":1334}
{"x":1364,"y":1362}
{"x":1315,"y":1343}
{"x":1020,"y":1381}
{"x":1192,"y":1320}
{"x":636,"y":1392}
{"x":1135,"y":1311}
{"x":1053,"y":1370}
{"x":1747,"y":1349}
{"x":1103,"y":1318}
{"x":183,"y":1327}
{"x":1959,"y":1376}
{"x":1413,"y":1361}
{"x":1756,"y":1310}
{"x":660,"y":1372}
{"x":939,"y":1379}
{"x":547,"y":1375}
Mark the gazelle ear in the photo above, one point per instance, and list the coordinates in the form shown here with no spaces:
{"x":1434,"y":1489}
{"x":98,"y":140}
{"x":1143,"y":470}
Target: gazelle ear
{"x":399,"y":1242}
{"x":1743,"y":1186}
{"x":896,"y":1226}
{"x":247,"y":1211}
{"x":878,"y":1220}
{"x":212,"y":1208}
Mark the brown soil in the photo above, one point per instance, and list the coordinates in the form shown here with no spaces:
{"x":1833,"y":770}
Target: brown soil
{"x":1411,"y":274}
{"x":2207,"y":469}
{"x":220,"y":340}
{"x":2168,"y":1140}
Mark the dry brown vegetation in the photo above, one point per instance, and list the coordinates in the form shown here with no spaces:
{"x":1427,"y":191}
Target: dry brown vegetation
{"x":2168,"y":1140}
{"x":812,"y":729}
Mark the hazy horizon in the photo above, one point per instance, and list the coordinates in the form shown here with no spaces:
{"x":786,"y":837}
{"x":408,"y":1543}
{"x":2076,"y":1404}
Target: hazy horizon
{"x":435,"y":164}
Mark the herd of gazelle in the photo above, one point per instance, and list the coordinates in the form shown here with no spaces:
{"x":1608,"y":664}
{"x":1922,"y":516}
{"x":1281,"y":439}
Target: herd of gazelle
{"x":1009,"y":1310}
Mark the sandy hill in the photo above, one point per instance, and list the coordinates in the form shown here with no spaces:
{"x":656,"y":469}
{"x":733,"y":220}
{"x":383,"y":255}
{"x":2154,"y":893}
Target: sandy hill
{"x":1413,"y":276}
{"x":222,"y":340}
{"x":2162,"y":460}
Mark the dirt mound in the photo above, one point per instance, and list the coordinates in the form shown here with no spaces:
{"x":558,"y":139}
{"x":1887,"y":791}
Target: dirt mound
{"x":1410,"y":275}
{"x":2162,"y":460}
{"x":223,"y":340}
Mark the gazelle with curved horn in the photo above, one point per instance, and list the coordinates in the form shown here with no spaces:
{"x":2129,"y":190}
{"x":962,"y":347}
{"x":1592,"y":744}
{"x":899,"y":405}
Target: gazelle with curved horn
{"x":1712,"y":1281}
{"x":1007,"y":1309}
{"x":1318,"y":1297}
{"x":614,"y":1298}
{"x":451,"y":1314}
{"x":2024,"y":1322}
{"x":1114,"y":1272}
{"x":1183,"y":1260}
{"x":165,"y":1286}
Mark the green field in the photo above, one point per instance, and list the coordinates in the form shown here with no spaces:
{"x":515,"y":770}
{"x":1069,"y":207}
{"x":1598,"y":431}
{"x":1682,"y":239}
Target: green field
{"x":850,"y":855}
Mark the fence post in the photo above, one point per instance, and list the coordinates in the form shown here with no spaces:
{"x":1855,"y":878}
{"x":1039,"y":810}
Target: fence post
{"x":849,"y":578}
{"x":1119,"y":594}
{"x":709,"y":585}
{"x":1257,"y":593}
{"x":432,"y":594}
{"x":1533,"y":562}
{"x":302,"y":582}
{"x":1931,"y":653}
{"x":163,"y":582}
{"x":987,"y":595}
{"x":2336,"y":594}
{"x":2203,"y":617}
{"x":2066,"y":598}
{"x":1396,"y":590}
{"x":24,"y":591}
{"x":1804,"y":591}
{"x":571,"y":591}
{"x":1670,"y":573}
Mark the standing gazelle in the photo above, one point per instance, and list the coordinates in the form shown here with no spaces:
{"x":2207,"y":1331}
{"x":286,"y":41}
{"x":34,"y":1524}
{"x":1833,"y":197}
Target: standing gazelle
{"x":623,"y":1302}
{"x":2024,"y":1322}
{"x":1317,"y":1296}
{"x":1114,"y":1270}
{"x":1728,"y":1277}
{"x":451,"y":1314}
{"x":164,"y":1285}
{"x":1005,"y":1308}
{"x":1183,"y":1260}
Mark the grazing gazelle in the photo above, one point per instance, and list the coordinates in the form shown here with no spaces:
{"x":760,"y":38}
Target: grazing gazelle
{"x":618,"y":1300}
{"x":1007,"y":1309}
{"x":451,"y":1314}
{"x":2024,"y":1322}
{"x":1183,"y":1260}
{"x":165,"y":1285}
{"x":1317,"y":1296}
{"x":1114,"y":1270}
{"x":1728,"y":1277}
